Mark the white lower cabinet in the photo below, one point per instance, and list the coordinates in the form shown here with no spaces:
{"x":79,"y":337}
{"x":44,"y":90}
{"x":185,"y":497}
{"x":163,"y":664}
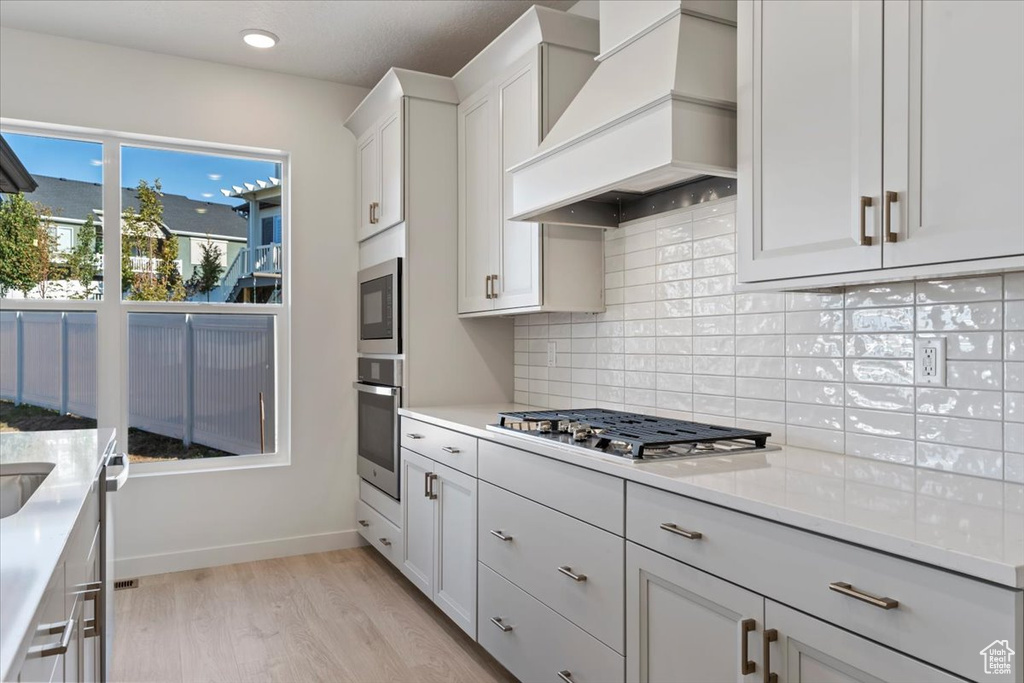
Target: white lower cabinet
{"x":808,"y":650}
{"x":439,"y":535}
{"x":536,"y":643}
{"x":417,"y":521}
{"x":685,"y":625}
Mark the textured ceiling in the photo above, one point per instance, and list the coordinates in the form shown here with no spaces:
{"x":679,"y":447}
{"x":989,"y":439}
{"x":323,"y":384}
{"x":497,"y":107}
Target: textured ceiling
{"x":348,"y":41}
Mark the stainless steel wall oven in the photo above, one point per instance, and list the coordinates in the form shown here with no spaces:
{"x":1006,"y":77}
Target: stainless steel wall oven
{"x":378,"y":400}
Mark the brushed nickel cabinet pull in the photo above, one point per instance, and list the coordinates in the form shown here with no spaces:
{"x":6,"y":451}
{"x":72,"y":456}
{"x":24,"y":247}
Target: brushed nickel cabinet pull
{"x":494,"y":289}
{"x":890,"y":199}
{"x":770,"y":636}
{"x":848,"y":590}
{"x":431,"y":478}
{"x":672,"y":528}
{"x":500,"y":536}
{"x":565,"y":675}
{"x":450,"y":449}
{"x":385,"y":542}
{"x":747,"y":665}
{"x":865,"y":239}
{"x":503,"y":626}
{"x":567,"y":570}
{"x":65,"y":629}
{"x":487,"y":287}
{"x":426,"y":484}
{"x":363,"y":523}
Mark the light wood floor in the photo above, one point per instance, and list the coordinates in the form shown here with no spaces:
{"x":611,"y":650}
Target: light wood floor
{"x":346,"y":615}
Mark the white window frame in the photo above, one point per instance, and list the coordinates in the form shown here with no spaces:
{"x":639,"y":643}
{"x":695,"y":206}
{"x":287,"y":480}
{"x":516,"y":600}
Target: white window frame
{"x":112,"y":312}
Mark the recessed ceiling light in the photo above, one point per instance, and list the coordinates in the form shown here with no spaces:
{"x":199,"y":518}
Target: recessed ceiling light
{"x":255,"y":37}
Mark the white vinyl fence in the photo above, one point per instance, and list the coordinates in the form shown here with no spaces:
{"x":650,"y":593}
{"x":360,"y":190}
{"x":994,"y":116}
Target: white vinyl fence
{"x":207,"y":379}
{"x":49,"y":360}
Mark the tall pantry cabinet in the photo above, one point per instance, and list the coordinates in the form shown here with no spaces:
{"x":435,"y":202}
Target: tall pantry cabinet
{"x":879,"y":138}
{"x":510,"y":95}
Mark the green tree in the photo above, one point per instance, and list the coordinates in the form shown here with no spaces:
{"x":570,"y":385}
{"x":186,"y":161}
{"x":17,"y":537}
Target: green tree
{"x":81,"y":261}
{"x":206,"y":277}
{"x":27,"y":243}
{"x":142,"y":234}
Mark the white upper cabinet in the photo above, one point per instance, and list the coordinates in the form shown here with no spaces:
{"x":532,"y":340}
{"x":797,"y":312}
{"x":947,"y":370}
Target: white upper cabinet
{"x":381,"y":124}
{"x":857,"y":142}
{"x":510,"y":96}
{"x":379,"y":176}
{"x":954,"y":130}
{"x":815,"y":152}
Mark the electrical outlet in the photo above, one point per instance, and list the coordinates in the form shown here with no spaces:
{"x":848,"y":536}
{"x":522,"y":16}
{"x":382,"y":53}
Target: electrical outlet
{"x":552,"y":354}
{"x":930,"y":361}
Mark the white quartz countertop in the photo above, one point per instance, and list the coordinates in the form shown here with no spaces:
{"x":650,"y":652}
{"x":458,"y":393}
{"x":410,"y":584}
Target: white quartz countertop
{"x":964,"y":524}
{"x":32,"y":540}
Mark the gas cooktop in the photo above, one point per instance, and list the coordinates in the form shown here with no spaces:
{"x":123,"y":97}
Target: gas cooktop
{"x":630,"y":435}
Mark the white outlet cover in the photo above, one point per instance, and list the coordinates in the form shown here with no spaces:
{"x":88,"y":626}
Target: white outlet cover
{"x":930,"y":361}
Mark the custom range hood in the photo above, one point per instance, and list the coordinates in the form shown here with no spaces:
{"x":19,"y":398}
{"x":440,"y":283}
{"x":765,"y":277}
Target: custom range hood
{"x":660,"y":110}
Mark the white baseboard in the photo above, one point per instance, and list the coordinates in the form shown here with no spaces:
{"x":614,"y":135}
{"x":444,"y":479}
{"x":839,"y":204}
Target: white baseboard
{"x":147,"y":565}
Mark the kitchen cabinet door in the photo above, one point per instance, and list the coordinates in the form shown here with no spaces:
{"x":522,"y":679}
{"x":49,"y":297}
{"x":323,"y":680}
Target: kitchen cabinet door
{"x":418,"y":521}
{"x":683,"y":624}
{"x":519,"y":265}
{"x":368,"y":183}
{"x":455,"y":546}
{"x":807,"y":650}
{"x":478,"y":197}
{"x":954,"y":138}
{"x":810,"y":90}
{"x":390,"y":139}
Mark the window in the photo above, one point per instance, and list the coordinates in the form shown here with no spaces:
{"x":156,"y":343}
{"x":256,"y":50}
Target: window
{"x":198,"y":303}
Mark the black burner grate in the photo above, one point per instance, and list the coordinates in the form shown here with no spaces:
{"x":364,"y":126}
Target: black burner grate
{"x":639,"y":431}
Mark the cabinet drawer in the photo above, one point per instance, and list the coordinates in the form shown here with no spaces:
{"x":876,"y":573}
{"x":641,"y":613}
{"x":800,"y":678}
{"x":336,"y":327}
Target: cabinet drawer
{"x":381,"y":502}
{"x":441,"y":445}
{"x":381,"y":533}
{"x":535,"y":643}
{"x":591,"y":496}
{"x":36,"y":667}
{"x":940,"y":616}
{"x":542,"y":541}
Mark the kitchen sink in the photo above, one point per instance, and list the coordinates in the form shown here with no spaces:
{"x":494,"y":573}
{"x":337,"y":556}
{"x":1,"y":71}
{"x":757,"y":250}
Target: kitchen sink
{"x":17,"y":484}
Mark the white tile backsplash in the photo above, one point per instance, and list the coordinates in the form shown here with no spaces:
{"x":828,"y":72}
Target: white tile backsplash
{"x":826,"y":370}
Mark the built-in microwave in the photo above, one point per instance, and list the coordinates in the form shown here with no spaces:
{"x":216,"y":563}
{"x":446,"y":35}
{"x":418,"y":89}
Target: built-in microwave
{"x":380,"y":308}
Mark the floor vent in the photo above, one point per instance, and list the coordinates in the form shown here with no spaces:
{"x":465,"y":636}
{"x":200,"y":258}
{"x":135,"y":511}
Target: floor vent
{"x":125,"y":584}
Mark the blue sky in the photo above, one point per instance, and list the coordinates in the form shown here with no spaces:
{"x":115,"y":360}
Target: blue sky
{"x":197,"y":176}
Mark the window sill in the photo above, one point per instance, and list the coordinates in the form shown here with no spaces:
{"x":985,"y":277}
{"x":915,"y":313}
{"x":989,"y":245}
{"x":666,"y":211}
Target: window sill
{"x":197,"y":465}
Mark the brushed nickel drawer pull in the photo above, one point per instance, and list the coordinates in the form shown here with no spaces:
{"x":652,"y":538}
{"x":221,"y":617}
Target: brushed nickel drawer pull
{"x":565,"y":675}
{"x":450,"y":449}
{"x":850,"y":591}
{"x":500,"y":536}
{"x":747,"y":665}
{"x":414,"y":436}
{"x":363,"y":523}
{"x":385,"y":542}
{"x":672,"y":528}
{"x":865,"y":240}
{"x":497,"y":622}
{"x":65,"y":630}
{"x":770,"y":636}
{"x":890,"y":199}
{"x":567,"y":570}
